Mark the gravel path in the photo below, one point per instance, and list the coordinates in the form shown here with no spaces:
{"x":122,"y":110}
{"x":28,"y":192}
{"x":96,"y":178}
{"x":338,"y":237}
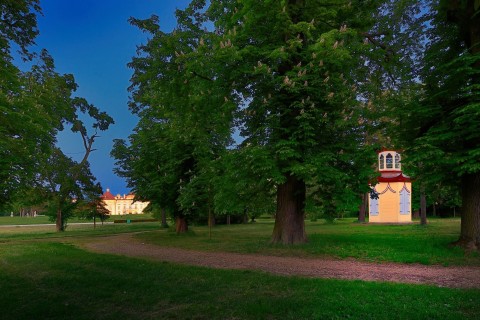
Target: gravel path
{"x":453,"y":277}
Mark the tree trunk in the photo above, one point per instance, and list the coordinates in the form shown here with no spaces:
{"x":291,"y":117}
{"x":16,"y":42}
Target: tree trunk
{"x":470,"y":222}
{"x":59,"y":223}
{"x":211,"y":219}
{"x":466,"y":15}
{"x":181,"y":225}
{"x":434,"y":213}
{"x":228,"y":219}
{"x":164,"y":218}
{"x":416,"y":214}
{"x":423,"y":207}
{"x":245,"y":215}
{"x":289,"y":221}
{"x":94,"y":222}
{"x":363,"y":207}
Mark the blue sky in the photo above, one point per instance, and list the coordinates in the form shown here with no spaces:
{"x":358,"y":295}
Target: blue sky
{"x":93,"y":40}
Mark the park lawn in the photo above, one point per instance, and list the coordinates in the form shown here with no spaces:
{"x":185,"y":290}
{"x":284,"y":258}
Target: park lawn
{"x":53,"y":280}
{"x":342,"y":239}
{"x":41,"y":219}
{"x":14,"y":233}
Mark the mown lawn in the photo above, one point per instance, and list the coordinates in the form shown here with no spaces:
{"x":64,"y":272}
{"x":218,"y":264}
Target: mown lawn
{"x":41,"y":219}
{"x":53,"y":280}
{"x":342,"y":239}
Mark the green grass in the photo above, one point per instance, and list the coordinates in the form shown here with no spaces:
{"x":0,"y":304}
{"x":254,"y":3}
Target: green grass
{"x":50,"y":280}
{"x":13,"y":233}
{"x":16,"y":220}
{"x":342,"y":239}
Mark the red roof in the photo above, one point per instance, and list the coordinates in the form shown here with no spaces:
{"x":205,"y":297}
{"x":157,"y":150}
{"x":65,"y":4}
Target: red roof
{"x":393,"y":177}
{"x":107,"y":195}
{"x":383,"y":149}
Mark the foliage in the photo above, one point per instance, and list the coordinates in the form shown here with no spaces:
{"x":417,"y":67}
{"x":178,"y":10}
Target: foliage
{"x":185,"y":119}
{"x":36,"y":105}
{"x":294,"y":77}
{"x":242,"y":183}
{"x":93,"y":208}
{"x":443,"y":115}
{"x":26,"y":128}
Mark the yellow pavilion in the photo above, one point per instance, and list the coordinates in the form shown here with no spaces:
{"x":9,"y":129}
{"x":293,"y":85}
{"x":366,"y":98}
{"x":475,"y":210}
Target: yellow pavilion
{"x":394,"y":191}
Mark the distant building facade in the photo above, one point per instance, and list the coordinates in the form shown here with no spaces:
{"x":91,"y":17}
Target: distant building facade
{"x":393,"y":189}
{"x":120,"y":205}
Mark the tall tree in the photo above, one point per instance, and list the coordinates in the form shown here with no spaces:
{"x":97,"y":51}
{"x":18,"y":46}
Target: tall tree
{"x":24,"y":131}
{"x":295,"y":63}
{"x":185,"y":116}
{"x":35,"y":105}
{"x":65,"y":180}
{"x":448,"y":134}
{"x":291,"y":73}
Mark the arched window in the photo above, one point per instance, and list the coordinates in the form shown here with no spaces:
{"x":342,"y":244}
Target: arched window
{"x":389,"y":159}
{"x":397,"y":161}
{"x":373,"y":204}
{"x":404,"y":202}
{"x":381,"y":160}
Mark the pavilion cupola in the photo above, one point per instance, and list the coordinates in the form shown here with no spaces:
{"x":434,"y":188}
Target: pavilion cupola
{"x":389,"y":160}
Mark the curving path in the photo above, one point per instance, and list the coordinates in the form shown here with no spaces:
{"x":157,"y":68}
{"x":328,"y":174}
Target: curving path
{"x":453,"y":277}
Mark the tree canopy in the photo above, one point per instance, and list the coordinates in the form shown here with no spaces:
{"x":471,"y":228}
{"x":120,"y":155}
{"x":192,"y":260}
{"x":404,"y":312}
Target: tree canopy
{"x":287,"y":75}
{"x":35,"y":105}
{"x":313,"y":88}
{"x":445,"y":120}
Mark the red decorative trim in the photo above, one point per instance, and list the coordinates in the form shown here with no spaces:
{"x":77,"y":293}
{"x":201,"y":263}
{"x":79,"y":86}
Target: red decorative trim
{"x":399,"y":178}
{"x":405,"y":187}
{"x":386,"y":189}
{"x":389,"y":150}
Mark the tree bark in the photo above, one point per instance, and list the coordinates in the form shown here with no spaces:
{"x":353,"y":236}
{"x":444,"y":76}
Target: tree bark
{"x":363,"y":207}
{"x":59,"y":223}
{"x":289,"y":221}
{"x":211,"y":220}
{"x":164,"y":218}
{"x":423,"y":207}
{"x":416,"y":214}
{"x":470,"y":223}
{"x":181,"y":225}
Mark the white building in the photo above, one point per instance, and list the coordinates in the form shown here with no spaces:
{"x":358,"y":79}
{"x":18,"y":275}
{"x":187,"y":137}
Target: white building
{"x":120,"y":205}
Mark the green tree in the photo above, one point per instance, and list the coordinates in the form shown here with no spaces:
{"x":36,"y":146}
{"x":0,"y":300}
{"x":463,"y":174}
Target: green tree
{"x":447,"y":139}
{"x":65,"y":185}
{"x":185,"y":118}
{"x":24,"y":127}
{"x":35,"y":106}
{"x":297,"y":65}
{"x":243,"y":184}
{"x":291,"y":75}
{"x":92,"y":207}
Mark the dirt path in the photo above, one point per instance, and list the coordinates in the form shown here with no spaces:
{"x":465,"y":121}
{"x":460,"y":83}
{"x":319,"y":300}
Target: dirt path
{"x":453,"y":277}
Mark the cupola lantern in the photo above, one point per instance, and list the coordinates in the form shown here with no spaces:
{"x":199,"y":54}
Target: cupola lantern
{"x":389,"y":161}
